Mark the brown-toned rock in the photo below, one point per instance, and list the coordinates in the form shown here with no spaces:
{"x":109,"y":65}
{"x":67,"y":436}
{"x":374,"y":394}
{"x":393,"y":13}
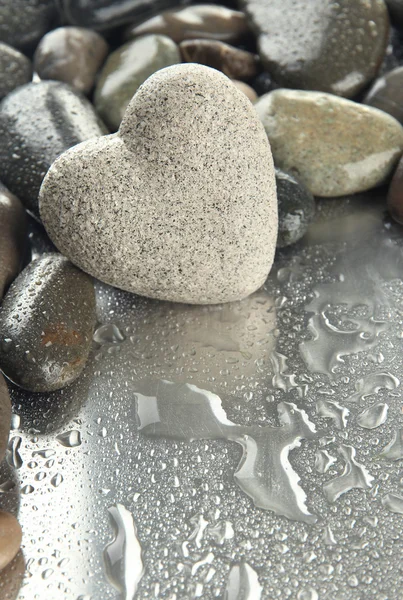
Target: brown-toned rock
{"x":72,"y":55}
{"x":235,"y":63}
{"x":10,"y":538}
{"x":202,"y":21}
{"x":246,"y":89}
{"x":5,"y":416}
{"x":395,"y":194}
{"x":11,"y":578}
{"x":13,"y":237}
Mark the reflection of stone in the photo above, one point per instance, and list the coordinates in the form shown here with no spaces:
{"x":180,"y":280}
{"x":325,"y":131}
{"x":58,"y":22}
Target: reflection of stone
{"x":264,"y":473}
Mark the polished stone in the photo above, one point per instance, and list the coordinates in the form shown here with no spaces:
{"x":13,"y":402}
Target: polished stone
{"x":387,"y":94}
{"x":395,"y":194}
{"x":13,"y":237}
{"x":296,"y":209}
{"x":328,"y":45}
{"x":46,"y":323}
{"x":24,"y":22}
{"x":5,"y":416}
{"x":200,"y":21}
{"x":180,"y":204}
{"x":126,"y":69}
{"x":233,"y":62}
{"x":38,"y":122}
{"x":10,"y":538}
{"x":71,"y":54}
{"x":15,"y":69}
{"x":333,"y":145}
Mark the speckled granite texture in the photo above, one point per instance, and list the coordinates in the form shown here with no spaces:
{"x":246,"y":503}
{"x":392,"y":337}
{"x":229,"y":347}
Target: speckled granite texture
{"x":180,"y":204}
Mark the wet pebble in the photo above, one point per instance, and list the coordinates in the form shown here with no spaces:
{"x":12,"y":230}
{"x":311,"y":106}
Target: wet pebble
{"x":15,"y":69}
{"x":72,"y":55}
{"x":334,"y":146}
{"x":201,"y":21}
{"x":5,"y":416}
{"x":13,"y":237}
{"x":105,"y":14}
{"x":126,"y":69}
{"x":328,"y":45}
{"x":10,"y":538}
{"x":246,"y":89}
{"x":184,"y":212}
{"x":24,"y":22}
{"x":233,"y":62}
{"x":395,"y":194}
{"x":46,"y":322}
{"x":39,"y":121}
{"x":387,"y":94}
{"x":296,"y":209}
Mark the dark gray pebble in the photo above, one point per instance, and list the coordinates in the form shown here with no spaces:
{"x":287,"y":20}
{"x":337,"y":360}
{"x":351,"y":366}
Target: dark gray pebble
{"x":296,"y":209}
{"x":15,"y":69}
{"x":13,"y":237}
{"x":46,"y":324}
{"x":24,"y":22}
{"x":38,"y":122}
{"x":387,"y":94}
{"x":5,"y":416}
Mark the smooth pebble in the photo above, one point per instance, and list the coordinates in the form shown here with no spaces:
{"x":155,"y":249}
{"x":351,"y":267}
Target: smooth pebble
{"x":333,"y":145}
{"x":24,"y":22}
{"x":5,"y":416}
{"x":10,"y":538}
{"x":386,"y":93}
{"x":186,"y":211}
{"x":246,"y":89}
{"x":13,"y":237}
{"x":15,"y":69}
{"x":46,"y":323}
{"x":233,"y":62}
{"x":71,"y":54}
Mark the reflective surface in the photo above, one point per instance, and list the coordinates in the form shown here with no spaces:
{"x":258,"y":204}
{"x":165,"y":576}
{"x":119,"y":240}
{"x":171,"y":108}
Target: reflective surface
{"x":243,"y":451}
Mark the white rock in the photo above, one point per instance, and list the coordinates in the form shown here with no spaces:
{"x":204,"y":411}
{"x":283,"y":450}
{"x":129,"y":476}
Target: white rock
{"x":180,"y":204}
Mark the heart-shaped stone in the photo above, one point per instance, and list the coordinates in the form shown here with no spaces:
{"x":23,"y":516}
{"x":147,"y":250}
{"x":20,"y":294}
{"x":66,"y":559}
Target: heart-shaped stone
{"x":180,"y":204}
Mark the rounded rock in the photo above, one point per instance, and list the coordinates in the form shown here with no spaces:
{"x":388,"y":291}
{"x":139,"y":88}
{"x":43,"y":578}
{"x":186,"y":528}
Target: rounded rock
{"x":46,"y":323}
{"x":24,"y":22}
{"x":335,"y":46}
{"x":10,"y":538}
{"x":105,"y":14}
{"x":333,"y":145}
{"x":185,"y":212}
{"x":5,"y":416}
{"x":395,"y":194}
{"x":235,"y":63}
{"x":38,"y":122}
{"x":201,"y":21}
{"x":72,"y":55}
{"x":246,"y":89}
{"x":15,"y":69}
{"x":296,"y":209}
{"x":387,"y":94}
{"x":13,"y":237}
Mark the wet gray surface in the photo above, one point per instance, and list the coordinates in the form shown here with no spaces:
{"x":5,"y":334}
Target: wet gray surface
{"x":243,"y":451}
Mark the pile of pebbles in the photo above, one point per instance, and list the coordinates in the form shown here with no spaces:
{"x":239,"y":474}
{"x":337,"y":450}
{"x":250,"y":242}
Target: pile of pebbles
{"x":168,"y":150}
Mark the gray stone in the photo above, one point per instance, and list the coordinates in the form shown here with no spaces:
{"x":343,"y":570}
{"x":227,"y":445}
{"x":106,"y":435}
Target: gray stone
{"x":387,"y":94}
{"x":5,"y":416}
{"x":296,"y":209}
{"x":13,"y":237}
{"x":334,"y":46}
{"x":180,"y":204}
{"x":24,"y":22}
{"x":334,"y":146}
{"x":15,"y":69}
{"x":71,"y":54}
{"x":46,"y":323}
{"x":207,"y":21}
{"x":126,"y":69}
{"x":39,"y":121}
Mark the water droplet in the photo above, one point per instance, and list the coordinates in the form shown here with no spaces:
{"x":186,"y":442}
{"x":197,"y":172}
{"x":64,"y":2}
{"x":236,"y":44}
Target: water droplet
{"x":281,"y":379}
{"x":123,"y":563}
{"x":46,"y":453}
{"x":354,"y":475}
{"x":374,"y":416}
{"x":13,"y":455}
{"x":186,"y":412}
{"x":328,"y":536}
{"x":394,"y":450}
{"x":308,"y":594}
{"x":70,"y":439}
{"x":56,"y":480}
{"x":15,"y":422}
{"x":372,"y":384}
{"x":334,"y":411}
{"x":323,"y":461}
{"x":47,"y":573}
{"x":27,"y":489}
{"x":243,"y":583}
{"x":108,"y":334}
{"x":394,"y":503}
